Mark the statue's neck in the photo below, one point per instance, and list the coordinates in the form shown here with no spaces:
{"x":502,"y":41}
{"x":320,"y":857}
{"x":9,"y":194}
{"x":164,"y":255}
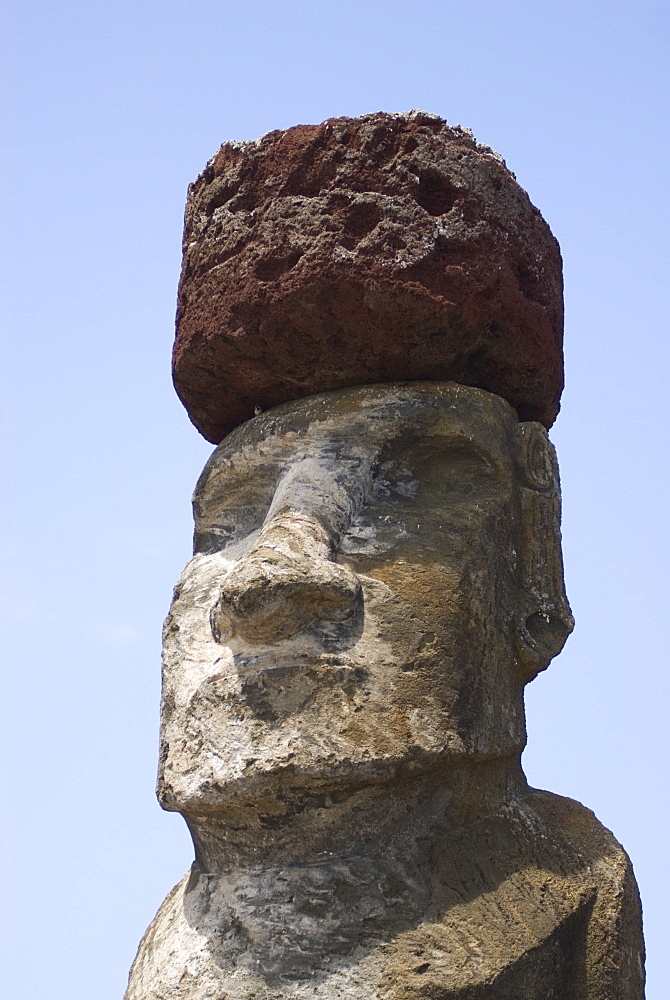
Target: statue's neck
{"x":299,"y":826}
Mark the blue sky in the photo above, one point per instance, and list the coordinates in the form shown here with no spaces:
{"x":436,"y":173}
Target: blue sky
{"x":112,"y":109}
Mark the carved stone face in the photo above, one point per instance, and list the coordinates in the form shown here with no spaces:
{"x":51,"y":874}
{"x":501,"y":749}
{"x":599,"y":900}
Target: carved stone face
{"x":377,"y":575}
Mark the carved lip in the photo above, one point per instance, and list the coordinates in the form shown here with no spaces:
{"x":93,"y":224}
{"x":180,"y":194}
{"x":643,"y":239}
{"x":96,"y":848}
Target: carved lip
{"x":262,"y":664}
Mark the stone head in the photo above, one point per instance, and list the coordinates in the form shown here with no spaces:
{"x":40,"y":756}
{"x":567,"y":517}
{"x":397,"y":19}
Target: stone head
{"x":377,"y":575}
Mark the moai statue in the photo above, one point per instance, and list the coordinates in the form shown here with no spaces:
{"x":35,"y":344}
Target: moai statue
{"x":377,"y":576}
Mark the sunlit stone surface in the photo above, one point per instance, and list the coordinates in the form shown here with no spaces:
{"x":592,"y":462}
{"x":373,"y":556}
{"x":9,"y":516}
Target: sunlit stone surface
{"x":377,"y":575}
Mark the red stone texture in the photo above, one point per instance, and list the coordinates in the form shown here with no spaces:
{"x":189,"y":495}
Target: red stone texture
{"x":364,"y":250}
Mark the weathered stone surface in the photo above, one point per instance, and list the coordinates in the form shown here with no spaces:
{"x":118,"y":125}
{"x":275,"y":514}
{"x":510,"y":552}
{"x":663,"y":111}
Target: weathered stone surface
{"x":364,"y":250}
{"x":377,"y":575}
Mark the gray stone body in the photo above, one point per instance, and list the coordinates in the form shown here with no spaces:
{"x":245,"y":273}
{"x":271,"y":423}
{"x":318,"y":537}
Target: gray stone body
{"x":377,"y":575}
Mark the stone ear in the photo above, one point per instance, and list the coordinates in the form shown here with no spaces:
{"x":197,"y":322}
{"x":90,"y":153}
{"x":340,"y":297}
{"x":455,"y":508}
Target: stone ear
{"x":544,"y":620}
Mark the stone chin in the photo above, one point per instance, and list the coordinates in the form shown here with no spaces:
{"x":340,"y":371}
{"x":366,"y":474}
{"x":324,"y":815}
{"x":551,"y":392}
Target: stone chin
{"x":377,"y":575}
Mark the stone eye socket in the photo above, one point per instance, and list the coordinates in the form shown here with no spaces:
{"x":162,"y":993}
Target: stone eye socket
{"x":441,"y":479}
{"x":232,"y":508}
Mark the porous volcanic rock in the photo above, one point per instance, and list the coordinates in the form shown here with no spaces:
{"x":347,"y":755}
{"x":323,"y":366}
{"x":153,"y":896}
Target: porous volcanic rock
{"x":386,"y":247}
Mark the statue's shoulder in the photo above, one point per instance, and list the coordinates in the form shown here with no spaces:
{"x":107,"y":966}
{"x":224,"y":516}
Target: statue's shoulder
{"x":155,"y":975}
{"x":580,"y":829}
{"x":615,"y":946}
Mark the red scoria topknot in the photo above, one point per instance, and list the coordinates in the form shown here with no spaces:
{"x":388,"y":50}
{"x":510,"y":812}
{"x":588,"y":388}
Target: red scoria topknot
{"x":365,"y":250}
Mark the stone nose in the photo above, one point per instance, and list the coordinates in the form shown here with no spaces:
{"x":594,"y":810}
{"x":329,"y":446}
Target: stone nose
{"x":286,"y":582}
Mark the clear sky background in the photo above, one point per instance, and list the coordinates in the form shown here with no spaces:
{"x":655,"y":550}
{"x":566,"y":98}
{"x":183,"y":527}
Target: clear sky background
{"x":113,"y":108}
